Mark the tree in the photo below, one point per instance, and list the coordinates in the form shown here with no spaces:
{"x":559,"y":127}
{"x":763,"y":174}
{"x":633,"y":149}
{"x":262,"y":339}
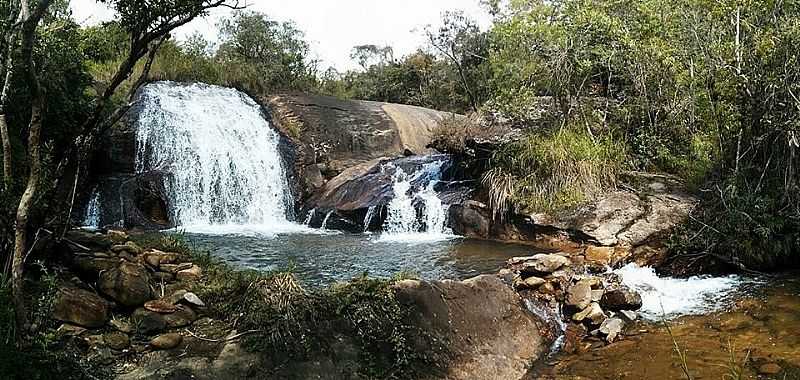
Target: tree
{"x":267,"y":54}
{"x":372,"y":55}
{"x":147,"y":26}
{"x":461,"y":41}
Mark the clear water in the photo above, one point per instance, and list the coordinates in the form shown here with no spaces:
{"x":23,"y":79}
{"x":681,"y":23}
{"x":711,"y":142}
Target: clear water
{"x":322,"y":258}
{"x":220,"y":154}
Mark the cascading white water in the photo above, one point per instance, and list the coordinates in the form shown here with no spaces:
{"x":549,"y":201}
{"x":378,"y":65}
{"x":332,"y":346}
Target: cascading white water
{"x":402,"y":222}
{"x":672,"y":297}
{"x":220,"y":156}
{"x":91,"y":217}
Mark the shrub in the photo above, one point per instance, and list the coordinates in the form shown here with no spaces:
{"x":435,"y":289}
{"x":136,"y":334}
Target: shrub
{"x":556,"y":170}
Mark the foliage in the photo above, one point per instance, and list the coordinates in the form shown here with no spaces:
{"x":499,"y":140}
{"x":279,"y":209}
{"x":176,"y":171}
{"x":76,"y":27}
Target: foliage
{"x":557,"y":170}
{"x":288,"y":321}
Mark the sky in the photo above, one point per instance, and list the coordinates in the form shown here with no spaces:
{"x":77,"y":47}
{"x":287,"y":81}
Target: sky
{"x":331,"y":27}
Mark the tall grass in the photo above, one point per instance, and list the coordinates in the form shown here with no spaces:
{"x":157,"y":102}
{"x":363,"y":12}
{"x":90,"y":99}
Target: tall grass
{"x":557,"y":170}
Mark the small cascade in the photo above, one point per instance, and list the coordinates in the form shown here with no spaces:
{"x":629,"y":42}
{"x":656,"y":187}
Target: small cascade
{"x":412,"y":189}
{"x":368,"y":218}
{"x":325,"y":221}
{"x":310,"y":217}
{"x":91,"y":217}
{"x":219,"y":155}
{"x":671,"y":297}
{"x":553,"y":318}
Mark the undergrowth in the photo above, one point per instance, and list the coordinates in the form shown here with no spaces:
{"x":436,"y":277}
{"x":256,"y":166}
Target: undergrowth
{"x":557,"y":170}
{"x":284,"y":321}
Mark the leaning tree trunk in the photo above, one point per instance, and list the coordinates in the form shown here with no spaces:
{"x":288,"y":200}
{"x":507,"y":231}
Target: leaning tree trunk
{"x":28,"y":34}
{"x":8,"y":72}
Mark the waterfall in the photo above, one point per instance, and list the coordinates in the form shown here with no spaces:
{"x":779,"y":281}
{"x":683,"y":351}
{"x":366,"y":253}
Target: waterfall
{"x":403,"y":222}
{"x":219,"y":155}
{"x":91,"y":217}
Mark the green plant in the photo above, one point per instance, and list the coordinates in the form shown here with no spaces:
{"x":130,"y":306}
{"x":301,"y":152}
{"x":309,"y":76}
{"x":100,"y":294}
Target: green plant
{"x":555,"y":171}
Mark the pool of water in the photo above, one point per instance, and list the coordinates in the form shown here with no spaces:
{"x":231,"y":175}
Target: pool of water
{"x":320,"y":258}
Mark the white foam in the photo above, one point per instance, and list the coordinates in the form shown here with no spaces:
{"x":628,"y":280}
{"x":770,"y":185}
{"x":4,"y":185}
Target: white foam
{"x":260,"y":230}
{"x":673,"y":297}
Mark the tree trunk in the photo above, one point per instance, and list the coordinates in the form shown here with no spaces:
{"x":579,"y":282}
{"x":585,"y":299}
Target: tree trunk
{"x":7,"y":72}
{"x":28,"y":34}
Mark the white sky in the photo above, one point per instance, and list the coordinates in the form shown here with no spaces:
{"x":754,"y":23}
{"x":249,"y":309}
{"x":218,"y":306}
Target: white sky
{"x":332,"y":27}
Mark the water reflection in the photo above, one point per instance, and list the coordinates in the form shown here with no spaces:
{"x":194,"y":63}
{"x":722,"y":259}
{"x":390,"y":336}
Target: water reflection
{"x":320,"y":259}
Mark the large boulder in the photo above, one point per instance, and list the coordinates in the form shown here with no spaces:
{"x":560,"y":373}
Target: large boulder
{"x":80,"y":307}
{"x":128,"y":284}
{"x":621,"y":298}
{"x":489,"y":333}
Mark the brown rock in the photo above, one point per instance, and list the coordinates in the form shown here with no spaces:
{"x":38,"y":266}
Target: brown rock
{"x":579,"y":296}
{"x":182,"y":317}
{"x":599,"y":255}
{"x":164,"y":277}
{"x":175,"y":268}
{"x":621,"y":298}
{"x":69,"y":330}
{"x":160,"y":306}
{"x":529,"y":283}
{"x":166,"y":341}
{"x":80,"y":307}
{"x":193,"y":273}
{"x":769,"y":369}
{"x":544,"y":264}
{"x":148,"y":322}
{"x":155,"y":258}
{"x":128,"y":284}
{"x":92,"y":266}
{"x":129,"y":247}
{"x":117,"y":341}
{"x":593,"y":314}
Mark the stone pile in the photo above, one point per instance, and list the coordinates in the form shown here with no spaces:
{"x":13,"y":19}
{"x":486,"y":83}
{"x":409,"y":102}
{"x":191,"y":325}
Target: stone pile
{"x":144,"y":290}
{"x":592,"y":300}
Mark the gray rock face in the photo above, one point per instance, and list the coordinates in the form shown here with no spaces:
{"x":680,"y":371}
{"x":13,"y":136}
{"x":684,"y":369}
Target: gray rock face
{"x":80,"y":307}
{"x":621,"y":298}
{"x":626,"y":218}
{"x":128,"y":284}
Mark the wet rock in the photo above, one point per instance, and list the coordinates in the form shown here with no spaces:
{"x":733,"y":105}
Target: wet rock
{"x":543,"y":264}
{"x":193,"y":273}
{"x":166,"y":341}
{"x":117,"y":236}
{"x":148,"y":322}
{"x":182,"y":317}
{"x":128,"y":284}
{"x":628,"y":315}
{"x":529,"y":283}
{"x":593,"y":314}
{"x":80,"y":307}
{"x":579,"y":296}
{"x":611,"y":328}
{"x":573,"y":336}
{"x":621,"y":298}
{"x":599,"y":255}
{"x":597,"y":295}
{"x":547,"y":288}
{"x":117,"y":341}
{"x":129,"y":247}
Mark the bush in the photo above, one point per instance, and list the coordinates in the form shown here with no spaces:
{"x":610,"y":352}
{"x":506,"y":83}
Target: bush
{"x":557,"y":170}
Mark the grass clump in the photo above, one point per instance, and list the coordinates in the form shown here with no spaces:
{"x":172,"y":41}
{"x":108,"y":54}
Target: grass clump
{"x":553,"y":171}
{"x":361,"y":320}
